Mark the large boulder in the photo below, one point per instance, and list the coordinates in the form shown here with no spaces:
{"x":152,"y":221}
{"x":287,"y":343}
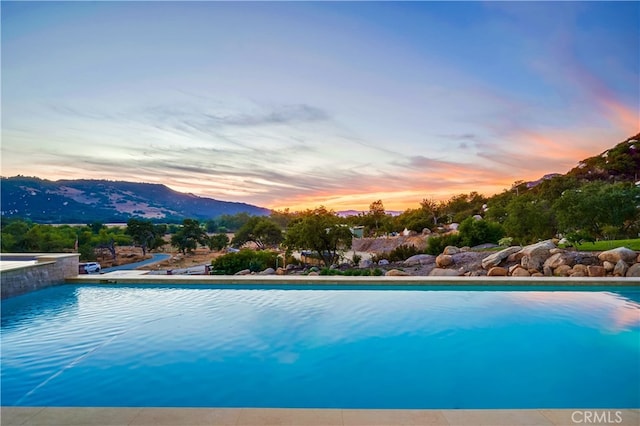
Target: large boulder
{"x":580,"y":268}
{"x":533,"y":256}
{"x":587,"y":258}
{"x":563,"y":271}
{"x":439,"y":272}
{"x":268,"y":271}
{"x":365,"y":263}
{"x":521,"y":272}
{"x":496,"y":258}
{"x":420,"y":259}
{"x":559,"y":259}
{"x":608,"y":266}
{"x":620,"y":270}
{"x":396,"y":273}
{"x":497,"y":271}
{"x":451,"y":250}
{"x":616,"y":254}
{"x":596,"y":271}
{"x":243,"y":272}
{"x":444,"y":260}
{"x":634,"y":271}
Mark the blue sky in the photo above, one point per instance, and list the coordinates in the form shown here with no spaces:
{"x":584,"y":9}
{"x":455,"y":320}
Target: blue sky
{"x":301,"y":104}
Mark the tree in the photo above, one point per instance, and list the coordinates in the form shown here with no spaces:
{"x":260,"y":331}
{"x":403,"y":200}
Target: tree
{"x":233,"y":222}
{"x":189,"y":236}
{"x":413,"y":219}
{"x":597,"y":206}
{"x":145,"y":234}
{"x":109,"y":238}
{"x":50,"y":239}
{"x":473,"y":232}
{"x":461,"y":206}
{"x":529,"y":219}
{"x":282,"y":218}
{"x":211,"y":225}
{"x":497,"y":206}
{"x":218,"y":242}
{"x":13,"y":236}
{"x":319,"y":230}
{"x":260,"y":230}
{"x":376,"y":217}
{"x":435,"y":209}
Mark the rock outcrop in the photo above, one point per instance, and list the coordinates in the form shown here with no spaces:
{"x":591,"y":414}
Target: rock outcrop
{"x":533,"y":256}
{"x":396,"y":273}
{"x":539,"y":260}
{"x":620,"y":270}
{"x":420,"y":259}
{"x":451,"y":250}
{"x":440,"y":272}
{"x":444,"y":260}
{"x":634,"y":271}
{"x":616,"y":254}
{"x":496,"y":258}
{"x":497,"y":271}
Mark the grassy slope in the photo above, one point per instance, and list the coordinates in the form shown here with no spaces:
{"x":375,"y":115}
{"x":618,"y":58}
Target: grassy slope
{"x":608,"y":245}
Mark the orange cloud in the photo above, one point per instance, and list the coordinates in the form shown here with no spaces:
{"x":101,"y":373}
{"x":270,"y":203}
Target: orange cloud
{"x":625,"y":117}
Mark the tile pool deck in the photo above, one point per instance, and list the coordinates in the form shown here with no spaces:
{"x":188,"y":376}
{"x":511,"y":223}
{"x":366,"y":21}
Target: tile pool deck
{"x":38,"y":416}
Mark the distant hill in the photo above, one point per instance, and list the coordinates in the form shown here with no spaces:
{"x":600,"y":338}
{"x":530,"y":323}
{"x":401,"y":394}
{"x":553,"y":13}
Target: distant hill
{"x":85,"y":201}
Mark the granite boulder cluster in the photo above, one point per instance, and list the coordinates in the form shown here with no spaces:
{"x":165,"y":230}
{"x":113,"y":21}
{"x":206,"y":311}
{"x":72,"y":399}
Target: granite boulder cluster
{"x":545,"y":259}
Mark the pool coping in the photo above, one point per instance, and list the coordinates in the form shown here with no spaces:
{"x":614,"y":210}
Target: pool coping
{"x":139,"y":277}
{"x":143,"y":416}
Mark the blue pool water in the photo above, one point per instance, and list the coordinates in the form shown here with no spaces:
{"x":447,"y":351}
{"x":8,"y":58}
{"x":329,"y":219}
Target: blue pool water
{"x":365,"y":348}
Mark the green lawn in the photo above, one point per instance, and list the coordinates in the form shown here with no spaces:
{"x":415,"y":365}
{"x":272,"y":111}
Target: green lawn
{"x":608,"y":245}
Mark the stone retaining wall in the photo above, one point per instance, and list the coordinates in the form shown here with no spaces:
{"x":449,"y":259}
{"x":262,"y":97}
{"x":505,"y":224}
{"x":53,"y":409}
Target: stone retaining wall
{"x":48,"y":270}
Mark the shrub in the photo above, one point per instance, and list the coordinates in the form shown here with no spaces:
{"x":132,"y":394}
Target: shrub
{"x":398,"y":254}
{"x":474,"y":232}
{"x":505,"y":242}
{"x":437,"y":244}
{"x":255,"y":261}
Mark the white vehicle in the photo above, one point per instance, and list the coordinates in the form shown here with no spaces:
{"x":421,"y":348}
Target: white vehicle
{"x":90,"y":268}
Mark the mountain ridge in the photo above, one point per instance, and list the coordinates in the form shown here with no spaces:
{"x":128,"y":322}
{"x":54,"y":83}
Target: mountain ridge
{"x":89,"y":200}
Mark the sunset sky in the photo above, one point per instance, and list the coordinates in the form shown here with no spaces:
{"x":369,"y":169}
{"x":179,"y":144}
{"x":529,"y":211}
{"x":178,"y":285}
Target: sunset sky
{"x":301,"y":104}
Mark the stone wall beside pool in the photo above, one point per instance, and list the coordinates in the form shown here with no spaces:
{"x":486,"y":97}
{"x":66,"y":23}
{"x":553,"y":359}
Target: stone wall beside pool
{"x":24,"y":272}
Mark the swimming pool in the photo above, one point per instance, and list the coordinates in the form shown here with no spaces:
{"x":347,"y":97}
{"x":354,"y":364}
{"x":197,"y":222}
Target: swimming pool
{"x":202,"y":346}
